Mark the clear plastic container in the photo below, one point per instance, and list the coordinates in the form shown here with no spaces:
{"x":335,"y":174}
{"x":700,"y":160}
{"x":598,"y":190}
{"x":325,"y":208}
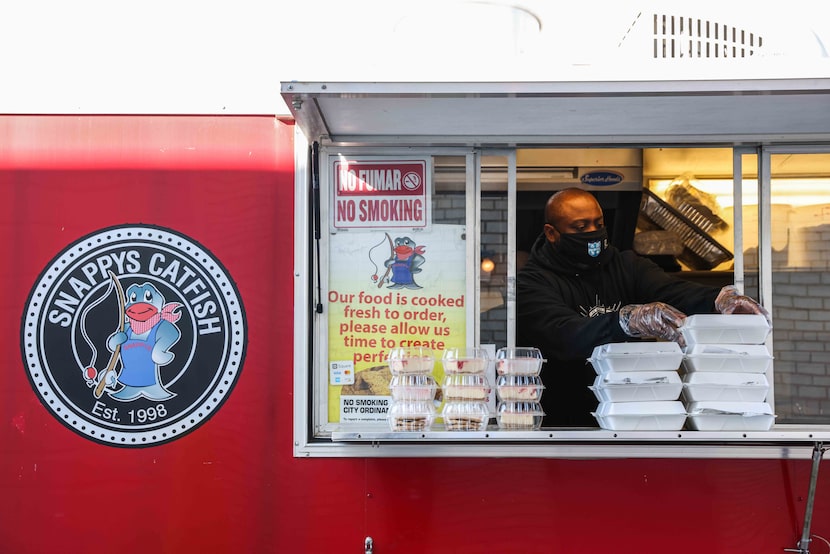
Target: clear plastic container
{"x":465,"y":360}
{"x":411,"y":360}
{"x":725,"y":329}
{"x":730,"y":416}
{"x":465,"y":416}
{"x":519,"y":415}
{"x":519,"y":361}
{"x":637,"y":386}
{"x":725,"y":387}
{"x":636,"y":356}
{"x":413,"y":386}
{"x":668,"y":415}
{"x":411,"y":415}
{"x":466,"y":386}
{"x":519,"y":388}
{"x":749,"y":358}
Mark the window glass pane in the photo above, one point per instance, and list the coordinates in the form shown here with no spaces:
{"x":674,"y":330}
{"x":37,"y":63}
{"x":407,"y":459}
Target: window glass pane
{"x":800,"y":232}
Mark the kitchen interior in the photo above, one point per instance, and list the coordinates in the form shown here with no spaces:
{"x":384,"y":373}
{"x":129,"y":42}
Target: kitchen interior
{"x":676,"y":206}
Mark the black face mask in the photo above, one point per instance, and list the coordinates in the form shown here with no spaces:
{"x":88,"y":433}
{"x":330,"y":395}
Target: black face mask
{"x":585,"y":249}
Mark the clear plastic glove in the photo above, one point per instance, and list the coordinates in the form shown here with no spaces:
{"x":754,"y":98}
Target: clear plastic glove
{"x":729,"y":301}
{"x":657,"y":320}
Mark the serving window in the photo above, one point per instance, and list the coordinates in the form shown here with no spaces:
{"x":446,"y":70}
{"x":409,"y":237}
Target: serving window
{"x":420,"y":248}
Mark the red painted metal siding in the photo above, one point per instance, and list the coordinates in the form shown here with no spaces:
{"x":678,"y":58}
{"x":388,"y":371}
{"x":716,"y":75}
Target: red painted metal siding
{"x":232,"y":485}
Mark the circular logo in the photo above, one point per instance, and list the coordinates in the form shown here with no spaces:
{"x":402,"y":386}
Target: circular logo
{"x":133,"y":336}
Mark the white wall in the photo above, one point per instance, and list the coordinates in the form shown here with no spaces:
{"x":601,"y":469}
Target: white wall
{"x":228,"y":57}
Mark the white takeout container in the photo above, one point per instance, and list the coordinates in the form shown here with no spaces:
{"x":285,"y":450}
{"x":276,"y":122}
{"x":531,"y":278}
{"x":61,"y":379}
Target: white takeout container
{"x":725,"y":387}
{"x":465,"y":360}
{"x":466,"y":386}
{"x":465,"y":416}
{"x":725,"y":329}
{"x":666,"y":415}
{"x":413,"y":386}
{"x":519,"y":388}
{"x":519,"y":361}
{"x":636,"y":356}
{"x":411,"y":415}
{"x":749,"y":358}
{"x":730,"y":416}
{"x":637,"y":386}
{"x":519,"y":416}
{"x":410,"y":360}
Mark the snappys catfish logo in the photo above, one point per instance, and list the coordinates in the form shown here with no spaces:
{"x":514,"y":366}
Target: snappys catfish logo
{"x":133,"y":336}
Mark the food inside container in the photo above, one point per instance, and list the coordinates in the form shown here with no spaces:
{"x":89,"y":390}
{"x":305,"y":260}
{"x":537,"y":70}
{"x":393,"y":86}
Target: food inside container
{"x":664,"y":415}
{"x":465,"y":360}
{"x":748,"y":358}
{"x":730,"y":416}
{"x":725,"y":387}
{"x":519,"y":361}
{"x":465,"y":416}
{"x":636,"y":356}
{"x":413,"y":386}
{"x":725,"y":329}
{"x":411,"y":415}
{"x":466,"y":386}
{"x":519,"y":415}
{"x":526,"y":388}
{"x":637,"y":386}
{"x":410,"y":360}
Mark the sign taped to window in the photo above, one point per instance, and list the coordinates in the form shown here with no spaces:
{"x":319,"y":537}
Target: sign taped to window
{"x":390,"y":290}
{"x":381,"y":192}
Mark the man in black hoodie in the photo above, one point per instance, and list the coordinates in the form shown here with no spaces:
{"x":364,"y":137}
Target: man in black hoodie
{"x":576,"y":292}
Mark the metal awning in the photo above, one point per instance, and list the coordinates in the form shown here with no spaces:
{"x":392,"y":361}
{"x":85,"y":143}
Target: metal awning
{"x":588,"y":113}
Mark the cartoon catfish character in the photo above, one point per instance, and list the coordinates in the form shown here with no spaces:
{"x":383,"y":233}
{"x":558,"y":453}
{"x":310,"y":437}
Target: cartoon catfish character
{"x":145,"y":343}
{"x":405,"y":262}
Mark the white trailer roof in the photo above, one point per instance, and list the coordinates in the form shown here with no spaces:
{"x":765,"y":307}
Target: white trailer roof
{"x":530,"y":113}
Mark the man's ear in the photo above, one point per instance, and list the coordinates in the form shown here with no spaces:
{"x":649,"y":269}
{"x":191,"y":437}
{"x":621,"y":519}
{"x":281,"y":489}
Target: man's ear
{"x":551,"y":233}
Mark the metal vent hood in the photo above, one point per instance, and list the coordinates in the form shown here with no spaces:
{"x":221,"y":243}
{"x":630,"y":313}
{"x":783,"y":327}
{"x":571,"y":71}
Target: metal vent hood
{"x":550,"y":113}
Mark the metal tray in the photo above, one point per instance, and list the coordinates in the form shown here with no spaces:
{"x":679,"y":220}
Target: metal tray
{"x":700,"y":251}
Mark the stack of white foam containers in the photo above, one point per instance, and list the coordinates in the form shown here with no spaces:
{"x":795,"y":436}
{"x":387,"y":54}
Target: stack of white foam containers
{"x":465,"y":389}
{"x":413,"y":389}
{"x":638,"y":386}
{"x":725,"y":363}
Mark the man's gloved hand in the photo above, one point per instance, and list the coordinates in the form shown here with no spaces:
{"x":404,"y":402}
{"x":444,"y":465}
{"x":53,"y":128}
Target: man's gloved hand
{"x":657,"y":319}
{"x":730,"y":302}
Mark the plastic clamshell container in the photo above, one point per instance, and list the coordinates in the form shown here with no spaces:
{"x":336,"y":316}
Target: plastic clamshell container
{"x":636,"y":356}
{"x":465,"y":416}
{"x":664,"y":415}
{"x":411,"y":360}
{"x":519,"y":388}
{"x":730,"y":416}
{"x":725,"y":329}
{"x":413,"y":386}
{"x":725,"y":387}
{"x":519,"y":416}
{"x":465,"y":360}
{"x":749,"y":358}
{"x":519,"y":361}
{"x":466,"y":386}
{"x":411,"y":415}
{"x":637,"y":386}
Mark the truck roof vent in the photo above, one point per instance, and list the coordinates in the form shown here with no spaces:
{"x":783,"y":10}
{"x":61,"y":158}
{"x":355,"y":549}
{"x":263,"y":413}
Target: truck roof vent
{"x":690,"y":37}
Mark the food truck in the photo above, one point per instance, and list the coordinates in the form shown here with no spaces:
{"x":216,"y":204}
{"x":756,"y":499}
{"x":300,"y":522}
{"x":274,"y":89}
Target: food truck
{"x":242,"y":333}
